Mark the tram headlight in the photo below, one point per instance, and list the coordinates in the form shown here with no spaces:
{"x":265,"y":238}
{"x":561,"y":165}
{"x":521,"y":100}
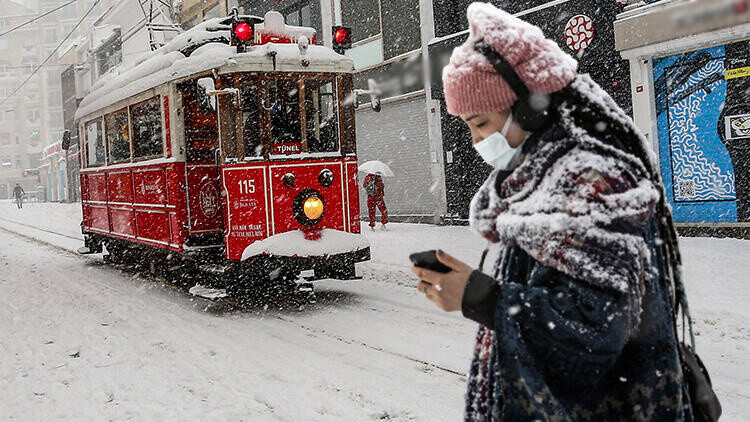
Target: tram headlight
{"x":309,"y":207}
{"x":313,"y":208}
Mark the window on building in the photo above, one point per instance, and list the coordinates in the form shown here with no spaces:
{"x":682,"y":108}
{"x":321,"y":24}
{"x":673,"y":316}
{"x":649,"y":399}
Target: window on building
{"x":5,"y":138}
{"x":147,"y":135}
{"x":54,"y":119}
{"x":6,"y":163}
{"x":401,"y":33}
{"x":32,"y":116}
{"x":364,"y":15}
{"x":94,"y":143}
{"x":190,"y":23}
{"x":19,"y":163}
{"x":212,"y":12}
{"x":50,"y":36}
{"x":118,"y":136}
{"x":18,"y":140}
{"x":300,"y":14}
{"x":30,"y":63}
{"x":10,"y":115}
{"x":4,"y":67}
{"x":3,"y":44}
{"x":321,"y":116}
{"x":109,"y":55}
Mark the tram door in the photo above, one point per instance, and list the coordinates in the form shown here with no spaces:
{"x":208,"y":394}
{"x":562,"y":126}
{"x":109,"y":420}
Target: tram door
{"x":202,"y":161}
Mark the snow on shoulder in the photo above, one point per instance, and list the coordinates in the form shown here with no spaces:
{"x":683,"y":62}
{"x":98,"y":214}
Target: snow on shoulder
{"x":294,"y":243}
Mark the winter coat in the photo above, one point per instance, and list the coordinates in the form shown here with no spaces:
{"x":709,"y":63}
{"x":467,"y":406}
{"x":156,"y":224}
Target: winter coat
{"x":379,"y":191}
{"x":18,"y":192}
{"x":572,"y":293}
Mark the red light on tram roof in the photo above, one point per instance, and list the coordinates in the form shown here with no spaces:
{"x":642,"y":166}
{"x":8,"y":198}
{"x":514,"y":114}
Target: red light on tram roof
{"x":243,"y":31}
{"x":342,"y":36}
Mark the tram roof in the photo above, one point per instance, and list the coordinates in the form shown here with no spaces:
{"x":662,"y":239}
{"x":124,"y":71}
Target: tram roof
{"x":180,"y":59}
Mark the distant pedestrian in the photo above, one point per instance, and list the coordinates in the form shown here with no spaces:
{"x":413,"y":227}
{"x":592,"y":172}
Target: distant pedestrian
{"x":18,"y":194}
{"x":573,"y":291}
{"x":373,"y":185}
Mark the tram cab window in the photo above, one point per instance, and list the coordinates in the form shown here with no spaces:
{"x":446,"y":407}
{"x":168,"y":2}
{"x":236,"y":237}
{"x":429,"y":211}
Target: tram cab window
{"x":94,"y":144}
{"x":250,"y":104}
{"x":118,"y":136}
{"x":147,"y":136}
{"x":284,"y":111}
{"x":201,"y":123}
{"x":321,"y":116}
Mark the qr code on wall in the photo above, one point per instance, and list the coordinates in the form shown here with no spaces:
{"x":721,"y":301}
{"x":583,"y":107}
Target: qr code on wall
{"x":686,"y":189}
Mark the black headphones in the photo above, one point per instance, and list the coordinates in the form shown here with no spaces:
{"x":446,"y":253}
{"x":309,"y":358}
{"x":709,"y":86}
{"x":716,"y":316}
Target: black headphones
{"x":532,"y":111}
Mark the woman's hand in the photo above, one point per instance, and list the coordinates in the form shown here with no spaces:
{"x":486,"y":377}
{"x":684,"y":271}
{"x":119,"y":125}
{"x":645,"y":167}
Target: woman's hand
{"x":446,"y":290}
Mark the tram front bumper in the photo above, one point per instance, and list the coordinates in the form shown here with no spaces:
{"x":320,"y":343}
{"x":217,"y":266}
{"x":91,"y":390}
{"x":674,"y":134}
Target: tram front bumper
{"x":332,"y":255}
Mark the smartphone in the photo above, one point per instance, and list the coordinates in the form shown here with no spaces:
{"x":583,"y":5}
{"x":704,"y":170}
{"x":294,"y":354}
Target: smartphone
{"x":428,"y":260}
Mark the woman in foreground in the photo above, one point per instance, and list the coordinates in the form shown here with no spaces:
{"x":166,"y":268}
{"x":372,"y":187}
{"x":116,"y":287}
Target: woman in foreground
{"x":573,"y":291}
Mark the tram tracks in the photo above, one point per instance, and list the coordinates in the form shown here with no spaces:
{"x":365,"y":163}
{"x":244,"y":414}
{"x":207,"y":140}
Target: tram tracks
{"x":231,"y":305}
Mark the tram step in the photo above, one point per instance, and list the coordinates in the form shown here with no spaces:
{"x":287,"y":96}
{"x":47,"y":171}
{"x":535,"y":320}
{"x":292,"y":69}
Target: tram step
{"x":83,"y":250}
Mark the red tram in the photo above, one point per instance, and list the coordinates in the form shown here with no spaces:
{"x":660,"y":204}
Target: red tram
{"x":241,"y":162}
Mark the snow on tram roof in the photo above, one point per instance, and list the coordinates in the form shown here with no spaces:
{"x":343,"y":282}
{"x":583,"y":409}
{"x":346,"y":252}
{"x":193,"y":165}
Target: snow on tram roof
{"x":170,"y":62}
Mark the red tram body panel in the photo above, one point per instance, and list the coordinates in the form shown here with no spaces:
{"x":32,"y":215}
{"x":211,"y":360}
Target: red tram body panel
{"x":191,"y":169}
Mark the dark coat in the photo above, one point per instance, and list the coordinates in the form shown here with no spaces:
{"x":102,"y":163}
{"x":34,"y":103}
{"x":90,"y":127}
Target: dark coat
{"x":580,"y":322}
{"x":18,"y":192}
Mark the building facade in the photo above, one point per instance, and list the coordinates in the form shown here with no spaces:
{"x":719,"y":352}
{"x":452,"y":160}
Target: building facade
{"x":22,"y":117}
{"x":690,"y":66}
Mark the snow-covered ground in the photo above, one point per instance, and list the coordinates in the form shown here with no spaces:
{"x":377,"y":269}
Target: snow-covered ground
{"x":81,"y":340}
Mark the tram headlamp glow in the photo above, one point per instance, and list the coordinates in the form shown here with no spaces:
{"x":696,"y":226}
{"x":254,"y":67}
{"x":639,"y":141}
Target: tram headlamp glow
{"x":313,"y":208}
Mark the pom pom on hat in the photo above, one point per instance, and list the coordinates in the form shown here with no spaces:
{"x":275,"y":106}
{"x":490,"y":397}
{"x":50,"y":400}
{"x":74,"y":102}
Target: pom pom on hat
{"x":471,"y":83}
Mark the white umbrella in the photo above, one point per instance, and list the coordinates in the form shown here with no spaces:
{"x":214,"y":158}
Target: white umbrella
{"x":376,"y":167}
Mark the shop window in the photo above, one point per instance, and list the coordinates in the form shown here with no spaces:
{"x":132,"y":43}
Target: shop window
{"x":321,"y":116}
{"x":94,"y":143}
{"x":147,"y":135}
{"x":118,"y":136}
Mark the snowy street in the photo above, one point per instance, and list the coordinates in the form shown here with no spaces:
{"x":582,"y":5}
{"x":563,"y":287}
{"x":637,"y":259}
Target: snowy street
{"x":83,"y":340}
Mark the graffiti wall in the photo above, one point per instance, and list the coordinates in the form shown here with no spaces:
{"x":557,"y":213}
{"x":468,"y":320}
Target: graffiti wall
{"x":703,"y":112}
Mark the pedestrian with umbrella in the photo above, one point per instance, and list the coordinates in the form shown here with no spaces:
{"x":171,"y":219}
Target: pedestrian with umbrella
{"x":373,"y":185}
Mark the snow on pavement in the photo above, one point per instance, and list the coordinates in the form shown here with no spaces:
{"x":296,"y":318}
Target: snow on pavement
{"x":369,"y":349}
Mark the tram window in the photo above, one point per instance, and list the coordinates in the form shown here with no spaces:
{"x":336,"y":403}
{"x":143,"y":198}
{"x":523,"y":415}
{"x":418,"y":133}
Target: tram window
{"x":321,"y":116}
{"x":285,"y":111}
{"x":118,"y":136}
{"x":94,"y":143}
{"x":201,"y":124}
{"x":147,"y":136}
{"x":251,"y":120}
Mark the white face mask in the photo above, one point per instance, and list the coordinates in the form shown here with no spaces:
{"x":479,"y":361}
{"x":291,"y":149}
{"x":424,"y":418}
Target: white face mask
{"x":495,"y":149}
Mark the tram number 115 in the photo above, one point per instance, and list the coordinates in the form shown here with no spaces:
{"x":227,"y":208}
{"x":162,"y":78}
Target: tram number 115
{"x":247,"y":186}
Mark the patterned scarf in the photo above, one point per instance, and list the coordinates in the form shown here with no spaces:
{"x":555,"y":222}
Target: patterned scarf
{"x":575,"y":204}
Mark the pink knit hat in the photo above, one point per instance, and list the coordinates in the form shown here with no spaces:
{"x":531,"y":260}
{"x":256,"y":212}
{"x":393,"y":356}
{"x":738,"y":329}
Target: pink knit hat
{"x":473,"y":86}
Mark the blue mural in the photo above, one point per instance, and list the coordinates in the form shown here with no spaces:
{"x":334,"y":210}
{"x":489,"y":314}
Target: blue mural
{"x":697,"y":162}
